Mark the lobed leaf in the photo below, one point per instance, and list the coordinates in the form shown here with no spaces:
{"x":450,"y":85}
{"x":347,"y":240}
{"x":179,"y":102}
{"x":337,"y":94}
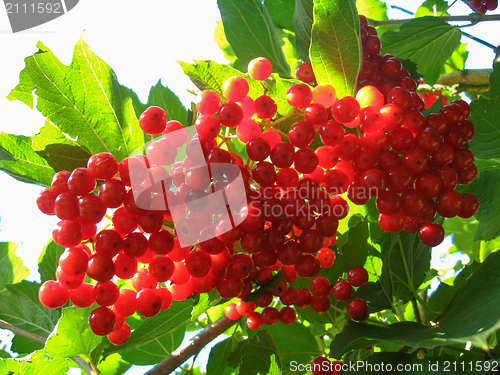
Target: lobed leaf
{"x":336,"y":46}
{"x":428,"y":41}
{"x":84,"y":100}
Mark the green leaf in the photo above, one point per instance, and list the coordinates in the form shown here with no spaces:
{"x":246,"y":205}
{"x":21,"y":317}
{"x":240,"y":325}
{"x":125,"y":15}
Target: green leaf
{"x":221,"y":40}
{"x":440,"y":299}
{"x":151,"y":329}
{"x":204,"y":302}
{"x":23,"y":309}
{"x":37,"y":364}
{"x":428,"y":41}
{"x":373,"y":9}
{"x":474,"y":313}
{"x":412,"y":255}
{"x":359,"y":335}
{"x":256,"y":354}
{"x":302,"y":22}
{"x":156,"y":350}
{"x":356,"y":250}
{"x":457,"y":59}
{"x":434,"y":108}
{"x":217,"y":360}
{"x":73,"y":335}
{"x":10,"y":366}
{"x":485,"y":115}
{"x":12,"y":269}
{"x":412,"y":69}
{"x":336,"y":45}
{"x":84,"y":100}
{"x":489,"y":205}
{"x":161,"y":96}
{"x":49,"y":260}
{"x":281,"y":12}
{"x":20,"y":161}
{"x":295,"y":343}
{"x":251,"y":33}
{"x":432,"y":8}
{"x":113,"y":365}
{"x":494,"y":91}
{"x":463,"y":236}
{"x":60,"y":151}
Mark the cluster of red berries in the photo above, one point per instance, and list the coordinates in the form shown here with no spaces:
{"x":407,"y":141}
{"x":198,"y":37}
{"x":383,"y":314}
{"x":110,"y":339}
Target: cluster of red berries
{"x":282,"y":206}
{"x":410,"y":162}
{"x":482,"y":6}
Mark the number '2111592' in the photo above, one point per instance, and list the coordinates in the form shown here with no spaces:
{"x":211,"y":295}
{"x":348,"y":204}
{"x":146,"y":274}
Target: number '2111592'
{"x":31,"y":8}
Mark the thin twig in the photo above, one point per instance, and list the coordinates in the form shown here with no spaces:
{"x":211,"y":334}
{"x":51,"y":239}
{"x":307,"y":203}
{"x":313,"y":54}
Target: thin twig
{"x":177,"y":358}
{"x":483,"y":42}
{"x":34,"y":337}
{"x":471,"y":18}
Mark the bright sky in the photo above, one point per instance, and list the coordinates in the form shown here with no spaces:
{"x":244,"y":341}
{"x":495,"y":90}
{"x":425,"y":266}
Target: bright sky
{"x":141,"y":41}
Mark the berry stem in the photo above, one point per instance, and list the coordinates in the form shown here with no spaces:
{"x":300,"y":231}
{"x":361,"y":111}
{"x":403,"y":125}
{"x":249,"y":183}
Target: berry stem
{"x":21,"y":332}
{"x":410,"y":281}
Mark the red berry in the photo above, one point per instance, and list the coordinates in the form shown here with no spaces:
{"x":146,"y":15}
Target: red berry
{"x":357,"y":276}
{"x":102,"y":321}
{"x":357,"y":309}
{"x":153,"y":120}
{"x":431,"y":234}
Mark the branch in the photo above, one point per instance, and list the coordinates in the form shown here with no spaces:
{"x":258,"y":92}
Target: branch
{"x":34,"y":337}
{"x":177,"y":358}
{"x":471,"y":18}
{"x":465,"y":76}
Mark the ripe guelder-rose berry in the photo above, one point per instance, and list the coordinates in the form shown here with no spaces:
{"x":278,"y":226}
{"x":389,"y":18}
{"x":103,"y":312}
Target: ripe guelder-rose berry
{"x":260,"y":68}
{"x":153,"y":120}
